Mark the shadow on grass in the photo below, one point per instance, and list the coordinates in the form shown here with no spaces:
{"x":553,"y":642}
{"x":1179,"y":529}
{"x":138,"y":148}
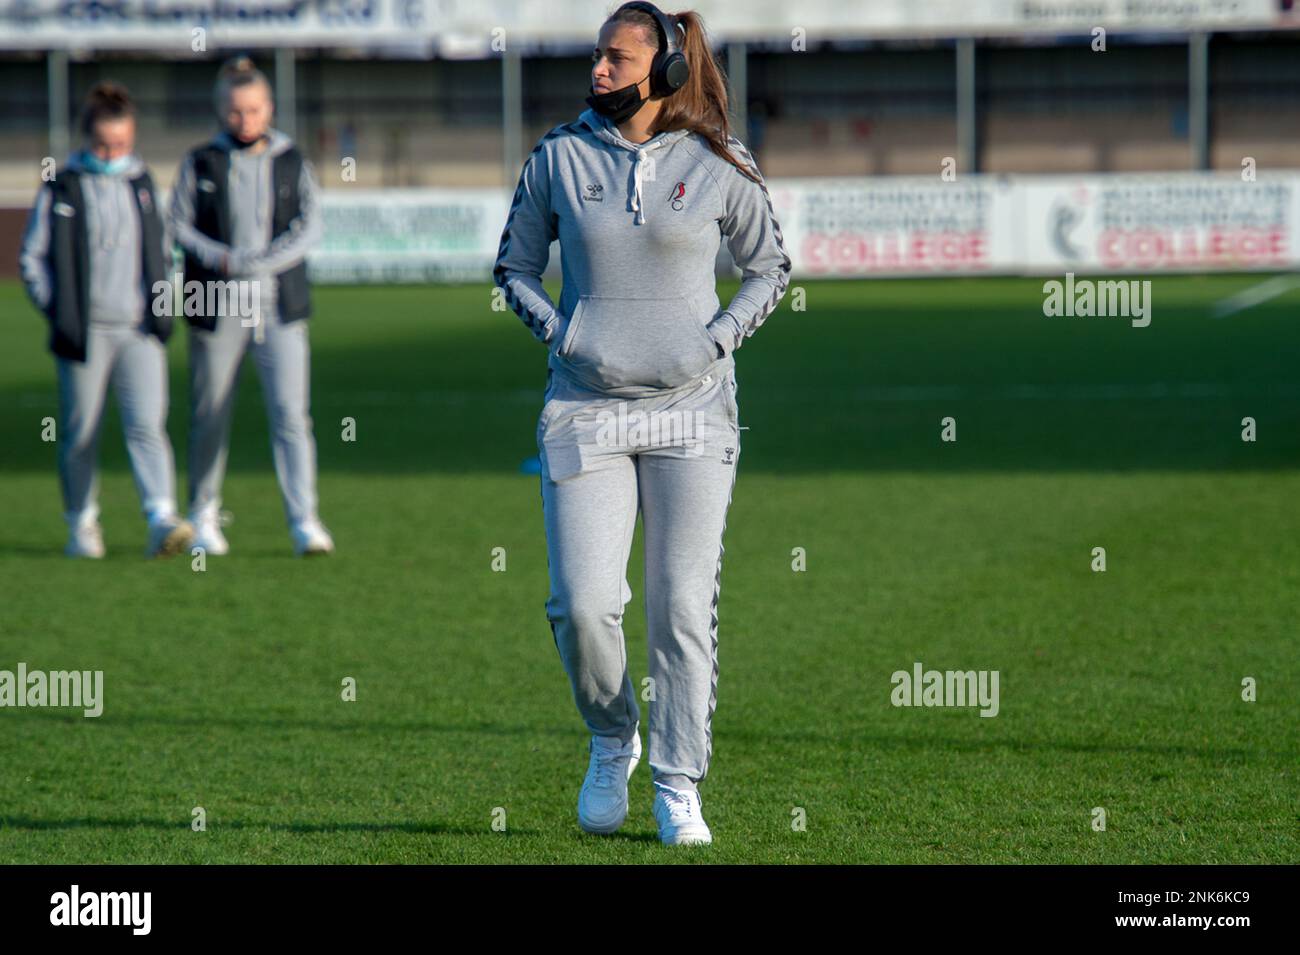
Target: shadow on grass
{"x":42,"y":825}
{"x":850,"y":387}
{"x":757,"y":737}
{"x":133,"y":550}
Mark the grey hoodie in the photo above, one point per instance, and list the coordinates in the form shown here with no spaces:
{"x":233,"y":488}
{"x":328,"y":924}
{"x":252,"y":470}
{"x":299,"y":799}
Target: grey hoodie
{"x":639,"y":228}
{"x":113,"y":234}
{"x":252,"y":253}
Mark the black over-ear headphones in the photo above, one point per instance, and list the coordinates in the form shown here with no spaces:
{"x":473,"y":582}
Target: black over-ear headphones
{"x":669,"y":70}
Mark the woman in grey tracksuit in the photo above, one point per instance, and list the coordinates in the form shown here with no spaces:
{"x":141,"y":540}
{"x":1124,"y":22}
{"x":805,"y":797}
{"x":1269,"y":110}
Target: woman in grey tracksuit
{"x":245,"y":212}
{"x":93,"y":255}
{"x":640,"y":406}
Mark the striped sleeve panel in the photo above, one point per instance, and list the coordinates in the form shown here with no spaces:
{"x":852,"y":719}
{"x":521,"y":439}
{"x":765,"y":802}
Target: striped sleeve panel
{"x":754,"y":238}
{"x":526,"y":241}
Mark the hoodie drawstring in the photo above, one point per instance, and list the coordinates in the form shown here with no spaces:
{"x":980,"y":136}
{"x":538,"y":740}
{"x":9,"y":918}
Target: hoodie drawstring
{"x":606,"y":131}
{"x":637,"y":204}
{"x":638,"y":180}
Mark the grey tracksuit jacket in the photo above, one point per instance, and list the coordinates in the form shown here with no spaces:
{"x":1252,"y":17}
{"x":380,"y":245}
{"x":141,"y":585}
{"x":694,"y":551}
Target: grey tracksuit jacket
{"x":113,"y":235}
{"x":253,"y":254}
{"x":640,"y":226}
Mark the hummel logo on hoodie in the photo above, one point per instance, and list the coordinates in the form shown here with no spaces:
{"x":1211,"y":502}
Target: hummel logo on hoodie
{"x":639,"y":314}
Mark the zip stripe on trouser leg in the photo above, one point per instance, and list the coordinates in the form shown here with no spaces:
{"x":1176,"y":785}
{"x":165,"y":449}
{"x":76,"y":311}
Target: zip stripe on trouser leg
{"x":686,"y":488}
{"x":713,"y":633}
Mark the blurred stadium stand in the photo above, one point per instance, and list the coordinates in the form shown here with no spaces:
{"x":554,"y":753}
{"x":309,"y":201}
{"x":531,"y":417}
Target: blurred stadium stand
{"x":883,"y":89}
{"x":886,"y":110}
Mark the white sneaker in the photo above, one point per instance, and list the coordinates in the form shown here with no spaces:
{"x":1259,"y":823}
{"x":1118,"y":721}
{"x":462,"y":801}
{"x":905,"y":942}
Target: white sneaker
{"x":169,"y":535}
{"x":310,"y":538}
{"x":681,"y":821}
{"x":207,"y":532}
{"x":602,"y":802}
{"x":85,"y":539}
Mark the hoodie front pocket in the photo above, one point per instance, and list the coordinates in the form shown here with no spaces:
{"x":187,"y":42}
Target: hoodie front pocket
{"x":648,"y":342}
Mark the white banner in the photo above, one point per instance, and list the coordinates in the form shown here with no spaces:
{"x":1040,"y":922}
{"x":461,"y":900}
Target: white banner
{"x":891,"y":226}
{"x":409,"y":235}
{"x":485,"y":27}
{"x":1158,"y":223}
{"x":196,"y":26}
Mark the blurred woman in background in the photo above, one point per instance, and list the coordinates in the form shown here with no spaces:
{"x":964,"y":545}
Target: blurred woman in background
{"x":94,"y":248}
{"x":244,"y":208}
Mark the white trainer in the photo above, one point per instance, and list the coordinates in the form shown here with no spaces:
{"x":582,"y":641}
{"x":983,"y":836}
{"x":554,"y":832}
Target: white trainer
{"x":207,"y":532}
{"x":169,"y":535}
{"x":310,"y":538}
{"x":602,"y":802}
{"x":85,"y":539}
{"x":679,"y":815}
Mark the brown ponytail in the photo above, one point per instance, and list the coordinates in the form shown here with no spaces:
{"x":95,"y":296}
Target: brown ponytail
{"x":701,"y":105}
{"x":106,"y":100}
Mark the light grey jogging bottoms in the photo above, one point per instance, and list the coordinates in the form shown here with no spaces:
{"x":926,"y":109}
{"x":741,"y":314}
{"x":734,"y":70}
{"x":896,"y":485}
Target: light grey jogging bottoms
{"x":283,"y":360}
{"x":673,"y":458}
{"x":134,"y":362}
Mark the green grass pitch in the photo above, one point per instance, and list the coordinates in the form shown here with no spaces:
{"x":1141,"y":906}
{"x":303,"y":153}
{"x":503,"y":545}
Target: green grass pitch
{"x":1119,"y":690}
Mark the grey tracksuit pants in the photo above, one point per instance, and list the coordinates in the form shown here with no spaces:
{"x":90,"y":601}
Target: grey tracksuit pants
{"x":283,"y":358}
{"x":135,"y":364}
{"x":678,"y":469}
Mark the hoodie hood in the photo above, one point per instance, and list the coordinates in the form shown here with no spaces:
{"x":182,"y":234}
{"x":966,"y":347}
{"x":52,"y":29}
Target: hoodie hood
{"x":607,"y":132}
{"x":76,"y":162}
{"x":279,"y":142}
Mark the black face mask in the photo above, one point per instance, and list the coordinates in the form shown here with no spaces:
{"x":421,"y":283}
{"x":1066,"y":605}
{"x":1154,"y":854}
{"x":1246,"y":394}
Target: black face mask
{"x":618,"y":105}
